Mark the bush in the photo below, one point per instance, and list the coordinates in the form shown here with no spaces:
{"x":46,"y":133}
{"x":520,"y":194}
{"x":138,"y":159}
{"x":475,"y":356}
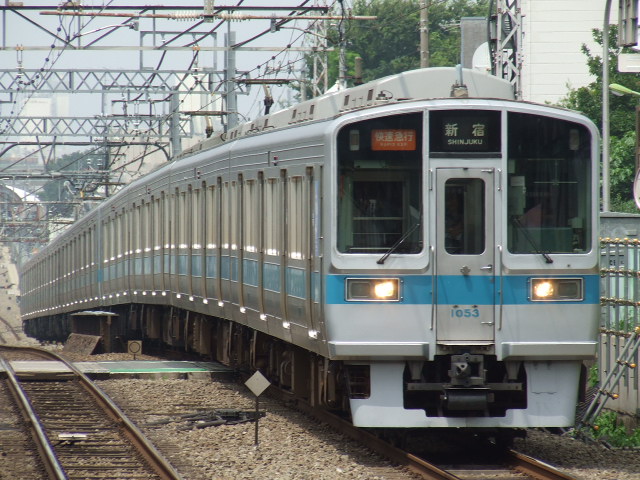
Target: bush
{"x":609,"y":429}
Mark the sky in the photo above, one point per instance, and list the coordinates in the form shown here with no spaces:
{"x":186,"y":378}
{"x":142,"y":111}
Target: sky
{"x":268,"y":55}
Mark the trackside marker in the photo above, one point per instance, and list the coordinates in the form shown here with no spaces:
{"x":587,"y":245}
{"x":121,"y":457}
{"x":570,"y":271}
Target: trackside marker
{"x":257,"y":383}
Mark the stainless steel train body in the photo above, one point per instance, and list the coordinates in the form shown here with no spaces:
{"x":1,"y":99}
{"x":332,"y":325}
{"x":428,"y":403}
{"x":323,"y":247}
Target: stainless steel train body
{"x":439,"y":253}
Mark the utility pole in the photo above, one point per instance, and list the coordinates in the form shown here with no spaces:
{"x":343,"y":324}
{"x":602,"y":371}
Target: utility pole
{"x":174,"y":124}
{"x":148,"y":34}
{"x":342,"y":64}
{"x":424,"y":34}
{"x":229,"y":84}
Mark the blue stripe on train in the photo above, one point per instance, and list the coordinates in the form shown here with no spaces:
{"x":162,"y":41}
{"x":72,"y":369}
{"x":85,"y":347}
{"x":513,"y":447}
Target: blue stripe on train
{"x":463,"y":290}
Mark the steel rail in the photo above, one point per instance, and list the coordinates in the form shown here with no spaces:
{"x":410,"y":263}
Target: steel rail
{"x":146,"y":449}
{"x":535,"y":468}
{"x":515,"y":461}
{"x":47,"y":455}
{"x":413,"y":463}
{"x":10,"y":329}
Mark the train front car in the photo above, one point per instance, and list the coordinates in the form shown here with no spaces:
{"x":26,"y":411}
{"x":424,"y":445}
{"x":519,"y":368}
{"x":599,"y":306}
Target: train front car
{"x":463,"y":286}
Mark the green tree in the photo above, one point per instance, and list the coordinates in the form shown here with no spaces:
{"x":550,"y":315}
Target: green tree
{"x":67,"y":187}
{"x":391,"y":43}
{"x":588,"y":99}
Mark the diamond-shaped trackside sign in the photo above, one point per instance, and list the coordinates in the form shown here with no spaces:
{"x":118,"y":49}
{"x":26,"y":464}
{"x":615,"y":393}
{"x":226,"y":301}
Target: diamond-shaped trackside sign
{"x":257,"y":383}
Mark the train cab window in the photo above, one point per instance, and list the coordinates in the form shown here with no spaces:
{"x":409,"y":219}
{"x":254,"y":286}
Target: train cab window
{"x":549,"y":178}
{"x":379,"y":185}
{"x":464,"y":220}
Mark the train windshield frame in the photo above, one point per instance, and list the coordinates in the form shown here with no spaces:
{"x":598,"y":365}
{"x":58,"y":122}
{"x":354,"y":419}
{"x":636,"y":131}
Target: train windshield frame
{"x":549,"y":199}
{"x":380,"y":165}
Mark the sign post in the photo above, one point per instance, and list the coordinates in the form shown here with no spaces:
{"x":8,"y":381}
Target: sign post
{"x":257,"y":383}
{"x":134,"y":347}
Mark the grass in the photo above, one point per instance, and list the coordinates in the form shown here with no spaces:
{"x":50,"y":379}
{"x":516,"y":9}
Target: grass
{"x":610,"y":429}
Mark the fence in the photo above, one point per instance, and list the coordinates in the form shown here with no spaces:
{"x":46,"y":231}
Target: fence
{"x":620,"y":324}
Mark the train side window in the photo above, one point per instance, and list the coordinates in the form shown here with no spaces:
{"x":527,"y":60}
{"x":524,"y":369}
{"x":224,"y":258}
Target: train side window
{"x":156,"y":240}
{"x":212,"y":217}
{"x":273,"y":217}
{"x":224,"y":208}
{"x":195,"y":222}
{"x":170,"y":266}
{"x":296,"y":226}
{"x":250,"y":216}
{"x":107,"y":240}
{"x":234,"y":198}
{"x":183,"y":227}
{"x":138,"y":231}
{"x":118,"y":251}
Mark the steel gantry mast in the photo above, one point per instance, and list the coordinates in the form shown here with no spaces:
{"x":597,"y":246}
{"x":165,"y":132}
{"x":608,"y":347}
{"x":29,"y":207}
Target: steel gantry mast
{"x":505,"y":41}
{"x":154,"y":105}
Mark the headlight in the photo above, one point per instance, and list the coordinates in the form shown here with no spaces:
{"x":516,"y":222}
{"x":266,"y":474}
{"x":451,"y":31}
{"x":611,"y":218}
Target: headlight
{"x":556,"y":289}
{"x":373,"y":289}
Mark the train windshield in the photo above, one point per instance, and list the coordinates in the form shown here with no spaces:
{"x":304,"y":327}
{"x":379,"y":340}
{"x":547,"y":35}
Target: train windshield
{"x":379,"y":185}
{"x":549,"y":178}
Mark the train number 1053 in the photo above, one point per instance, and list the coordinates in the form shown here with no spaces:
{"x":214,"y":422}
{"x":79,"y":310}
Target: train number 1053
{"x":457,"y":312}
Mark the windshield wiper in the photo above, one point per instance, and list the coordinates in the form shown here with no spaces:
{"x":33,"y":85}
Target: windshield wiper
{"x":531,"y":240}
{"x":397,"y":244}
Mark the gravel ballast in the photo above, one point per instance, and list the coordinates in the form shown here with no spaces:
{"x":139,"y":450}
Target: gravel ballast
{"x":294,"y":447}
{"x":290,"y":445}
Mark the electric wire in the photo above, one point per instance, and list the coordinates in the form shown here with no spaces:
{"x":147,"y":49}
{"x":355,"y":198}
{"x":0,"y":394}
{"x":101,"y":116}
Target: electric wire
{"x":284,"y":62}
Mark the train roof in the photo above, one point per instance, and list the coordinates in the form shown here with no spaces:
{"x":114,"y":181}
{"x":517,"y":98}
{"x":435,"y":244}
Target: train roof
{"x":23,"y":195}
{"x":421,"y":84}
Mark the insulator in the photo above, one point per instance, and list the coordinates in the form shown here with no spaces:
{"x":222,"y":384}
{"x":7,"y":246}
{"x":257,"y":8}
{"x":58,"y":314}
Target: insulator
{"x":232,"y":16}
{"x":187,"y":15}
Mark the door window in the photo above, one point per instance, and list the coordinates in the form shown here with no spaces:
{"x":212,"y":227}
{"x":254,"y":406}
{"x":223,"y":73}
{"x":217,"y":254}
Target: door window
{"x":464,"y":219}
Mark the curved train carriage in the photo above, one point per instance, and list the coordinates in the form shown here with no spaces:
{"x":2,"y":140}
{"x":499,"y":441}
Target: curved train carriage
{"x":420,"y":250}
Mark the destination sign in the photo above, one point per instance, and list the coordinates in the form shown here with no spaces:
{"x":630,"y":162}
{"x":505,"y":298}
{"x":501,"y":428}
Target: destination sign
{"x":393,"y":139}
{"x":464,"y":131}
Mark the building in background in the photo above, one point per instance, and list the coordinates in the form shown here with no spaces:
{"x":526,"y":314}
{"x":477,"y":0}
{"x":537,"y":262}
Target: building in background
{"x":554,"y":32}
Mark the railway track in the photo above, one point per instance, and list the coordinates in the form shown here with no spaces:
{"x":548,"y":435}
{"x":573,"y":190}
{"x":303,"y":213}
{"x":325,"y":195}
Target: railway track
{"x":79,"y":432}
{"x":18,"y":453}
{"x":502,"y":464}
{"x":9,"y":328}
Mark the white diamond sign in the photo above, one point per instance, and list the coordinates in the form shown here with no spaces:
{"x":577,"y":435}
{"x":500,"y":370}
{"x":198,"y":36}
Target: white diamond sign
{"x":257,"y":383}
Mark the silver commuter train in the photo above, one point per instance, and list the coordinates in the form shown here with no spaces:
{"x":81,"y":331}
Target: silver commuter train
{"x":420,"y":250}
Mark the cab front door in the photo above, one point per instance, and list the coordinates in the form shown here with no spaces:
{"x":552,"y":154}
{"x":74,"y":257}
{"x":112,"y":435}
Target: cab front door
{"x":465,"y":263}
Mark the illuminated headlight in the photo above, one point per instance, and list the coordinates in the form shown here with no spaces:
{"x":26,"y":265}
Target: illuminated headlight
{"x":556,"y":289}
{"x":373,"y":289}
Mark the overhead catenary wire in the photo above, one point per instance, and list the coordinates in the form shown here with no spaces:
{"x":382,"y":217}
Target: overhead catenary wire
{"x":279,"y":61}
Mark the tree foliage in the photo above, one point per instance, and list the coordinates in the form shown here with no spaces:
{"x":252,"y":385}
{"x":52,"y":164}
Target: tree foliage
{"x":391,"y":43}
{"x":588,"y":100}
{"x":66,"y":187}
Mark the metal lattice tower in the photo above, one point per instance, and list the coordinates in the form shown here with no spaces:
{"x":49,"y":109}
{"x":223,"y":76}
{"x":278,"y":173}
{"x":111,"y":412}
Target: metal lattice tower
{"x":506,"y":42}
{"x":320,"y":65}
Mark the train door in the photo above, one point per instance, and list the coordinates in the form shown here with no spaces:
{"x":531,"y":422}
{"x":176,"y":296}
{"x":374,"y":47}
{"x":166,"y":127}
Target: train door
{"x":465,"y":267}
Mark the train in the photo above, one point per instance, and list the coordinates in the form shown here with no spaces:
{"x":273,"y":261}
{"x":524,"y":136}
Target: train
{"x":420,"y":251}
